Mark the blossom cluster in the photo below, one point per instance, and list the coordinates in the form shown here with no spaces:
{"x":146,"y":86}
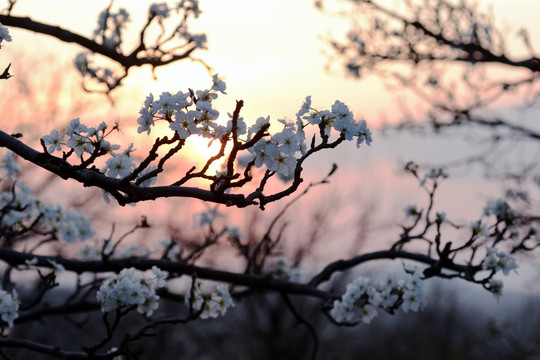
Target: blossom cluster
{"x":131,"y":287}
{"x":162,"y":10}
{"x":434,"y":174}
{"x":87,"y":68}
{"x":279,"y":153}
{"x":171,"y":250}
{"x":360,"y":301}
{"x":4,"y":34}
{"x":501,"y":209}
{"x":109,"y":32}
{"x":187,"y":113}
{"x":79,"y":138}
{"x":478,"y":228}
{"x":192,"y":113}
{"x":9,"y":307}
{"x":497,"y":260}
{"x":20,"y":208}
{"x":280,"y":267}
{"x":209,"y":305}
{"x":82,"y":139}
{"x":110,"y":27}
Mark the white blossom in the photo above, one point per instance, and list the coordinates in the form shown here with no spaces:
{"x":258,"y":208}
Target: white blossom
{"x":499,"y":261}
{"x":119,"y":165}
{"x":4,"y":34}
{"x":131,"y":287}
{"x":9,"y":307}
{"x":210,"y":305}
{"x":53,"y":141}
{"x":161,"y":10}
{"x":10,"y":166}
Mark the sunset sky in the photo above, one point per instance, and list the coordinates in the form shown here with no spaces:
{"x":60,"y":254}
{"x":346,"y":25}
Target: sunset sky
{"x":271,"y":54}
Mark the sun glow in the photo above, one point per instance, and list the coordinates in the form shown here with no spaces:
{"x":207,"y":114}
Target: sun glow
{"x":201,"y":149}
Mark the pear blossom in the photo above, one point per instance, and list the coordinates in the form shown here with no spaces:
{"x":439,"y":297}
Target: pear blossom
{"x":9,"y":307}
{"x":500,"y":208}
{"x":53,"y":141}
{"x":131,"y":287}
{"x":411,"y":301}
{"x":259,"y":124}
{"x":119,"y":165}
{"x":306,"y":107}
{"x":495,"y":287}
{"x":10,"y":166}
{"x":4,"y":34}
{"x":210,"y":305}
{"x":218,"y":84}
{"x":161,"y":10}
{"x":498,"y":261}
{"x":171,"y":250}
{"x":280,"y":267}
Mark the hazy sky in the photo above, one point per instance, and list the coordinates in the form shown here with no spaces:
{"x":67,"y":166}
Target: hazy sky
{"x":271,"y":54}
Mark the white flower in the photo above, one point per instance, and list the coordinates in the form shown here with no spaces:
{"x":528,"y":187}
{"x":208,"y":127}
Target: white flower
{"x":183,"y":124}
{"x":131,"y":287}
{"x":172,"y":249}
{"x":284,"y":165}
{"x":411,"y":211}
{"x":306,"y":107}
{"x":259,"y":124}
{"x":478,"y":228}
{"x":411,"y":301}
{"x":218,"y":84}
{"x":10,"y":166}
{"x":241,"y":126}
{"x":9,"y":307}
{"x":119,"y":165}
{"x":145,"y":121}
{"x":159,"y":277}
{"x":499,"y":260}
{"x":160,"y":10}
{"x":495,"y":287}
{"x":367,"y":313}
{"x":79,"y":143}
{"x":4,"y":34}
{"x":281,"y":268}
{"x":364,"y":134}
{"x":440,"y":217}
{"x":211,"y":305}
{"x":199,"y":40}
{"x":387,"y":298}
{"x":264,"y":152}
{"x":287,"y":140}
{"x":53,"y":141}
{"x":434,"y":174}
{"x":374,"y":297}
{"x":346,"y":126}
{"x":223,"y":292}
{"x":500,"y":208}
